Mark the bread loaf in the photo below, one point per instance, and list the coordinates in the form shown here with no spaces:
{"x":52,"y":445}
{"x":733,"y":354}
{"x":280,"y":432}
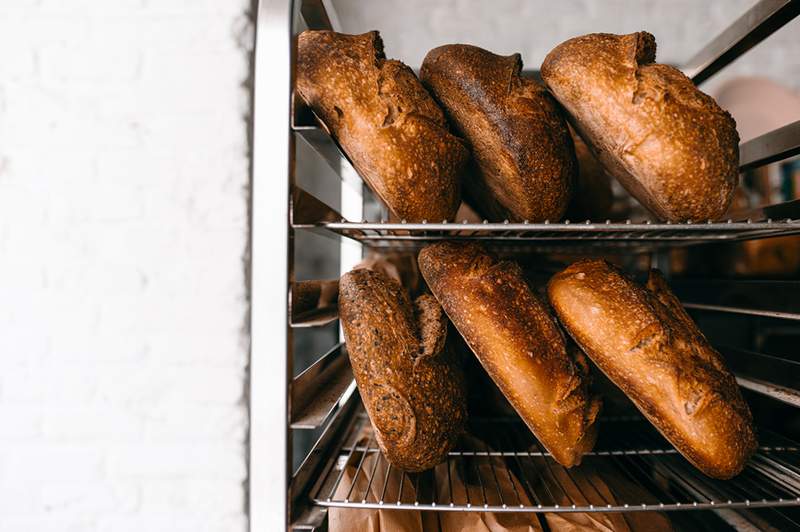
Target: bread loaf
{"x":411,"y":384}
{"x":517,"y":341}
{"x":524,"y":160}
{"x":670,"y":145}
{"x":647,"y":344}
{"x":593,"y":198}
{"x":388,"y":125}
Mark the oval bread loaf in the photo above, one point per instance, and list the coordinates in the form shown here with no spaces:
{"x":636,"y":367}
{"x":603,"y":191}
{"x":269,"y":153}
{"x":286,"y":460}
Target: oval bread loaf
{"x":517,"y":341}
{"x":411,"y":384}
{"x":388,"y":125}
{"x":644,"y":341}
{"x":671,"y":146}
{"x":524,"y":161}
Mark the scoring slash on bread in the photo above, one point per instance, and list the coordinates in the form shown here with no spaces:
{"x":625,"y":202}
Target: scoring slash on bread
{"x":646,"y":343}
{"x":524,"y":160}
{"x":517,"y":341}
{"x":670,"y":145}
{"x":387,"y":124}
{"x":411,"y":383}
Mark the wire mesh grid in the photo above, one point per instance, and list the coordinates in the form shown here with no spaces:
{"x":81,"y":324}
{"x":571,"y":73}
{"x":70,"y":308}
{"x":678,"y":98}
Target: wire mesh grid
{"x":628,"y":235}
{"x":500,"y":467}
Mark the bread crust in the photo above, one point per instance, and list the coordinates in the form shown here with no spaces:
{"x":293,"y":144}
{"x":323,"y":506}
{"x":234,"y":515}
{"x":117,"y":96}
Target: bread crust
{"x":524,"y":160}
{"x":387,"y":124}
{"x":411,"y":384}
{"x":670,"y":145}
{"x":517,"y":341}
{"x":647,"y":344}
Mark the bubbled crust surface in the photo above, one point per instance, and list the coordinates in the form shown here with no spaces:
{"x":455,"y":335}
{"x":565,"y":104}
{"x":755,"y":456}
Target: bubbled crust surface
{"x":518,"y":343}
{"x":670,"y":145}
{"x":525,"y":164}
{"x":644,"y":341}
{"x":388,"y":125}
{"x":411,"y":384}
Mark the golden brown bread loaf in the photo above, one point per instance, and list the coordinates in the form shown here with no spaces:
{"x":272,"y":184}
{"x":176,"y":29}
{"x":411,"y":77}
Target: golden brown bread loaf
{"x":525,"y":164}
{"x":647,"y":344}
{"x":670,"y":145}
{"x":518,"y":342}
{"x":388,"y":125}
{"x":411,"y":384}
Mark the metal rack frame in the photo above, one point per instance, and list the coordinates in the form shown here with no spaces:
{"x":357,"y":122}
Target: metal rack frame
{"x":323,"y":397}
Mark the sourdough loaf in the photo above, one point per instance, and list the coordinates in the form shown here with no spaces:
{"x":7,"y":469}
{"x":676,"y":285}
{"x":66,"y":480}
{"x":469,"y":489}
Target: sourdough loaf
{"x":670,"y":145}
{"x":646,"y":343}
{"x":412,"y":385}
{"x":517,"y":341}
{"x":524,"y":160}
{"x":388,"y":125}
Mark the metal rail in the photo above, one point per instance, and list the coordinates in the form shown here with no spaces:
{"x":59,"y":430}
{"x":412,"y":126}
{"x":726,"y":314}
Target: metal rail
{"x":758,"y":23}
{"x":317,"y":392}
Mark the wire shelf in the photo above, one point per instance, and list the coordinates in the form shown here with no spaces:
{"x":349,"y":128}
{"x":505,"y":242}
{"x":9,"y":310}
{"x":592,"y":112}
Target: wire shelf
{"x":500,"y":467}
{"x":628,"y":236}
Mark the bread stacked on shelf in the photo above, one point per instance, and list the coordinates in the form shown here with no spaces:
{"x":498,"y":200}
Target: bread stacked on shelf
{"x":411,"y":383}
{"x":645,"y":124}
{"x":646,"y":343}
{"x":517,"y":341}
{"x":385,"y":121}
{"x":524,"y":163}
{"x":670,"y":145}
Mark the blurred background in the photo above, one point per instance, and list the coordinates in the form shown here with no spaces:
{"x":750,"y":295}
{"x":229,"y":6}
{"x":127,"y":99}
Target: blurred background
{"x":124,"y":178}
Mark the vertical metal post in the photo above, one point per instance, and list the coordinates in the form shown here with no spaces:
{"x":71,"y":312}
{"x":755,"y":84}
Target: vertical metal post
{"x":271,"y":269}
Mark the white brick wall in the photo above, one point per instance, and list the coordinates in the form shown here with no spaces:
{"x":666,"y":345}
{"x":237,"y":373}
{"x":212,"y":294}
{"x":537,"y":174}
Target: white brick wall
{"x":123,"y":222}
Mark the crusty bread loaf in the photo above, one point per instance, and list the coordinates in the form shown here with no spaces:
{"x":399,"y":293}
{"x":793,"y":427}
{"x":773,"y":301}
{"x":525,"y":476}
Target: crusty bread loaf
{"x":525,"y":164}
{"x":517,"y":341}
{"x":412,"y":385}
{"x":388,"y":125}
{"x":670,"y":145}
{"x":647,"y":344}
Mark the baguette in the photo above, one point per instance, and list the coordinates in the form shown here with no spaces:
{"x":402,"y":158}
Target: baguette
{"x":670,"y":145}
{"x":647,"y":344}
{"x":517,"y":341}
{"x":412,"y":385}
{"x":524,"y":161}
{"x":387,"y":124}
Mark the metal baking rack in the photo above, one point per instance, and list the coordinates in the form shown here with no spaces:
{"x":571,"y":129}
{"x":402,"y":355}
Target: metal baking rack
{"x":502,"y":468}
{"x":323,"y":400}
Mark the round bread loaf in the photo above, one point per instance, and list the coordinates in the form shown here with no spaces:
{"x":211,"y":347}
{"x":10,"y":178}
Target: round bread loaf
{"x":517,"y":341}
{"x":387,"y":124}
{"x":412,"y":385}
{"x":647,"y":344}
{"x":524,"y":160}
{"x":670,"y":145}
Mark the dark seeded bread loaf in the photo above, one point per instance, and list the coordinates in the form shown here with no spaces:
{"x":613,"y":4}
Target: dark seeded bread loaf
{"x":412,"y":385}
{"x":517,"y":341}
{"x":388,"y":125}
{"x":644,"y":341}
{"x":670,"y":145}
{"x":524,"y":161}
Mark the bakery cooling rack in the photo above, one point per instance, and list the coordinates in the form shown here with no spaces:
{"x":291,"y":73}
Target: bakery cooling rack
{"x":500,"y":467}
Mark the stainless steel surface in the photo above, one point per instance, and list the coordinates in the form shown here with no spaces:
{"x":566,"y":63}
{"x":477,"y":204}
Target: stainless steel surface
{"x":270,"y":269}
{"x":322,"y":387}
{"x":758,"y":23}
{"x":770,"y":375}
{"x":642,"y":236}
{"x":508,"y":471}
{"x":773,"y":146}
{"x":742,"y":310}
{"x":789,"y":396}
{"x":317,"y":317}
